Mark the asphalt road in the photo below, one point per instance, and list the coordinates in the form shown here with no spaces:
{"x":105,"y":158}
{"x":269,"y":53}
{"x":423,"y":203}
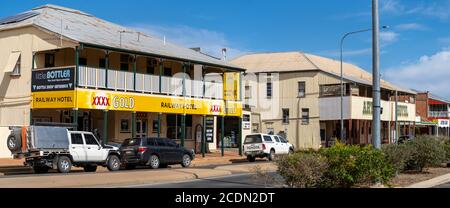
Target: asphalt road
{"x":22,"y":171}
{"x":272,"y":180}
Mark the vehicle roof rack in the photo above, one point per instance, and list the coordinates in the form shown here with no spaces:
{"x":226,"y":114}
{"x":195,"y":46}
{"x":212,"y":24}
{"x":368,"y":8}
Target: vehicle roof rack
{"x":67,"y":125}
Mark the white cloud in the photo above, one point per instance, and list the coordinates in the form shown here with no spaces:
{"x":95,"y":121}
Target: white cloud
{"x":445,"y":41}
{"x":388,"y":37}
{"x":210,"y":42}
{"x":392,"y":6}
{"x":411,"y":26}
{"x":430,"y":8}
{"x":440,"y":10}
{"x":429,"y":73}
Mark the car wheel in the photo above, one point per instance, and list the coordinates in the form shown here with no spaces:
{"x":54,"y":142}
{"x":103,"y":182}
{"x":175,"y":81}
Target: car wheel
{"x":13,"y":143}
{"x":271,"y":156}
{"x":90,"y":168}
{"x":251,"y":158}
{"x":291,"y":151}
{"x":154,"y":161}
{"x":186,"y":161}
{"x":113,"y":163}
{"x":40,"y":169}
{"x":64,"y":164}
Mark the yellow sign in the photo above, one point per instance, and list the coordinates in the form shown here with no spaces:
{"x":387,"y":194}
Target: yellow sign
{"x":53,"y":99}
{"x":231,"y":86}
{"x":122,"y":101}
{"x":136,"y":102}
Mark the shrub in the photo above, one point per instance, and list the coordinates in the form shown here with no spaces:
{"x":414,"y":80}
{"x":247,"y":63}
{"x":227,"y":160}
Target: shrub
{"x":372,"y":167}
{"x":427,"y":152}
{"x":447,"y":150}
{"x":397,"y":156}
{"x":302,"y":169}
{"x":355,"y":165}
{"x":341,"y":161}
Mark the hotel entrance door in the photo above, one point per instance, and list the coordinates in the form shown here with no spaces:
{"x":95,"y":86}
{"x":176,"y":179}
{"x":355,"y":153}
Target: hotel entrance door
{"x":141,"y":128}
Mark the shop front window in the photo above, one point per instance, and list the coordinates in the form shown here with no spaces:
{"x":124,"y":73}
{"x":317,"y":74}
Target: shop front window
{"x":174,"y":127}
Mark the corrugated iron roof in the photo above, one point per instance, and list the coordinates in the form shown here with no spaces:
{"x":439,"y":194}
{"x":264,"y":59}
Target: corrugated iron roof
{"x":300,"y":61}
{"x":85,"y":28}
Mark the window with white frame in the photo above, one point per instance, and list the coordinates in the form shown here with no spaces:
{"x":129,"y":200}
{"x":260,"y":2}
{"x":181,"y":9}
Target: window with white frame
{"x":285,"y":115}
{"x":269,"y":86}
{"x":305,"y":116}
{"x":301,"y":89}
{"x":16,"y":71}
{"x":248,"y":92}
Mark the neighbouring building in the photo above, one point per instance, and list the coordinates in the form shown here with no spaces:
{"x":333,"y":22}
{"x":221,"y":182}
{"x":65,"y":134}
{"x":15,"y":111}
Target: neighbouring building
{"x":297,"y":95}
{"x":66,"y":66}
{"x":433,"y":114}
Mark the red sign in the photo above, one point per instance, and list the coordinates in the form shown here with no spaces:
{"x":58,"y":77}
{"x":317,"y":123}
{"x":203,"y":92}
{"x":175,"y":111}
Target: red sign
{"x":215,"y":109}
{"x":100,"y":101}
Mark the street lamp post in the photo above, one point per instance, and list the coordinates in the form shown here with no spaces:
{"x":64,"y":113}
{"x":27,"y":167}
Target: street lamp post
{"x":342,"y":76}
{"x":376,"y":125}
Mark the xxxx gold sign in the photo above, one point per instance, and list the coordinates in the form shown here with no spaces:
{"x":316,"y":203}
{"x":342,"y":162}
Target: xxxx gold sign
{"x":121,"y":101}
{"x":53,"y":100}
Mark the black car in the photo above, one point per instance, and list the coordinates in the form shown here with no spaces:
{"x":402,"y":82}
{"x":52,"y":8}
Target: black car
{"x":154,"y":152}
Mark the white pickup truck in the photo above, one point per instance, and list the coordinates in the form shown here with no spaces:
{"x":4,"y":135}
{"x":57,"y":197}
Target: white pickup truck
{"x":52,"y":147}
{"x":264,"y":145}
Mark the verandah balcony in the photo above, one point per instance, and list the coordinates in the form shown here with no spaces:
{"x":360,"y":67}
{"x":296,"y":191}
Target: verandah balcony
{"x":92,"y":77}
{"x":438,"y":114}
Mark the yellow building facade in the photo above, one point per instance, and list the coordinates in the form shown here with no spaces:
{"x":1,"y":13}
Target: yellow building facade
{"x":85,"y":72}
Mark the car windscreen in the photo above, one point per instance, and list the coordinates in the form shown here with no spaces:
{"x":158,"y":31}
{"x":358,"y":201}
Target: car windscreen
{"x":131,"y":142}
{"x":250,"y":139}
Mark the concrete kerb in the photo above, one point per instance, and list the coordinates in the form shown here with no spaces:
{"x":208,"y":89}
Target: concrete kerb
{"x":432,"y":182}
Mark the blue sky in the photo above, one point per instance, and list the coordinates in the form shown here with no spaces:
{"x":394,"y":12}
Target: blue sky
{"x":415,"y":51}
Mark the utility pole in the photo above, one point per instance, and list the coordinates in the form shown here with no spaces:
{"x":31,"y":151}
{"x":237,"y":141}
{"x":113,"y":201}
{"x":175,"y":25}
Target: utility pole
{"x":376,"y":76}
